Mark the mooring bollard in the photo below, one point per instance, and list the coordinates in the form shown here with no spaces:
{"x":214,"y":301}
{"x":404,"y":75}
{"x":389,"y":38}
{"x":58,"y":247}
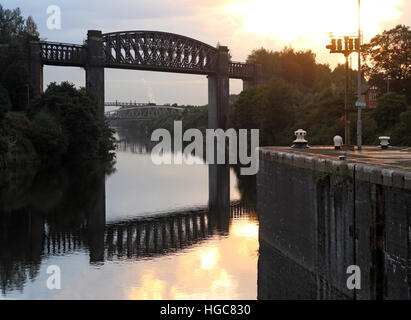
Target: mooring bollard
{"x":338,"y":142}
{"x":300,"y":141}
{"x":384,"y":142}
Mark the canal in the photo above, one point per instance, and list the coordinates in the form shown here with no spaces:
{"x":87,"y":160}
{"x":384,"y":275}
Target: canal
{"x":141,"y":231}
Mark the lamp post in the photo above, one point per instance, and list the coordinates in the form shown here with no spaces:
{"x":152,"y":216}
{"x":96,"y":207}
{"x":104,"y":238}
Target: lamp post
{"x":359,"y":122}
{"x":347,"y":45}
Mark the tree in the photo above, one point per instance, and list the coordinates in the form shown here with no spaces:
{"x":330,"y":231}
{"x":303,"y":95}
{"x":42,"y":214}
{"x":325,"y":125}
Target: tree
{"x":389,"y":55}
{"x":15,"y":33}
{"x":270,"y":108}
{"x":85,"y":137}
{"x":387,"y":113}
{"x":14,"y":28}
{"x":46,"y":135}
{"x":297,"y":67}
{"x":5,"y":103}
{"x":402,"y":133}
{"x":11,"y":24}
{"x":269,"y":60}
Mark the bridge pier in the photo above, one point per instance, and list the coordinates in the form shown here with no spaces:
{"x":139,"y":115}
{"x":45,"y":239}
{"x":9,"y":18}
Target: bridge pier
{"x":95,"y":69}
{"x":218,"y":187}
{"x":218,"y":93}
{"x":96,"y":222}
{"x":35,"y":68}
{"x":218,"y":118}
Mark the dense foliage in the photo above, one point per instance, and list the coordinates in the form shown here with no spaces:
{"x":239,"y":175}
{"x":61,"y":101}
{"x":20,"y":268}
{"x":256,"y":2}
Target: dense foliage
{"x":388,"y":56}
{"x":305,"y":94}
{"x":58,"y":126}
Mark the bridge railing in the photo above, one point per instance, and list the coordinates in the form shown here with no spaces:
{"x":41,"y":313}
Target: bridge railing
{"x":54,"y":53}
{"x":129,"y":51}
{"x":240,"y":70}
{"x":126,"y":104}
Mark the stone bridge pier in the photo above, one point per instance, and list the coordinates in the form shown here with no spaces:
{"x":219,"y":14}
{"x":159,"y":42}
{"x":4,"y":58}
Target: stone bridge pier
{"x":95,"y":69}
{"x":218,"y":92}
{"x":35,"y":68}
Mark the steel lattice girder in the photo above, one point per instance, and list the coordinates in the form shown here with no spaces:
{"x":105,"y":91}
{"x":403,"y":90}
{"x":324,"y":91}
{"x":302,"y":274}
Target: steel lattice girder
{"x":147,"y":50}
{"x":158,"y":51}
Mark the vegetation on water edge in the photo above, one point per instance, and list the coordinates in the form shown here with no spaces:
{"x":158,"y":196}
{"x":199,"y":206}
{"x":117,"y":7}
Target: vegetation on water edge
{"x":60,"y":125}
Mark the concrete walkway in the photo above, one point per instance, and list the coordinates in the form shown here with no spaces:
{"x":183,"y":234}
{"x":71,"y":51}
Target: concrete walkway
{"x":393,"y":158}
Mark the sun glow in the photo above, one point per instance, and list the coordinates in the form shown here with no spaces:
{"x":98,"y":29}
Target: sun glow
{"x":303,"y":19}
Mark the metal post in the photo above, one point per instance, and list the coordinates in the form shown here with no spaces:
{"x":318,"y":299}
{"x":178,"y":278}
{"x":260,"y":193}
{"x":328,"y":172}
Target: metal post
{"x":359,"y":122}
{"x":346,"y":111}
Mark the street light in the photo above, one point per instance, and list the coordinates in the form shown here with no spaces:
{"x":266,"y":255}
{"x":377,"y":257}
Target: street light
{"x":359,"y":122}
{"x":347,"y":45}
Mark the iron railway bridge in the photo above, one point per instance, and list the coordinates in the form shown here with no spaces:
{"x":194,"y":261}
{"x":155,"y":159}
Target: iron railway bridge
{"x":149,"y":51}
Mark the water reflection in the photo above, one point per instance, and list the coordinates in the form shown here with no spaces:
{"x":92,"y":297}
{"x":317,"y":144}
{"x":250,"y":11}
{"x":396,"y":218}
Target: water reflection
{"x":119,"y":237}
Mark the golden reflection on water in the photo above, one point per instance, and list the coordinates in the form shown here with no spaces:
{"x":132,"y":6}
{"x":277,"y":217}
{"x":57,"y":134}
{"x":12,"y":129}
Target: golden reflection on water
{"x":223,"y":267}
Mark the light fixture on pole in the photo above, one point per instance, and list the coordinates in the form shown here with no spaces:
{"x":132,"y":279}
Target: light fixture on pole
{"x":345,"y":45}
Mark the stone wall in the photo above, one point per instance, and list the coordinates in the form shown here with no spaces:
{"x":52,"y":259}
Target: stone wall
{"x":318,"y":216}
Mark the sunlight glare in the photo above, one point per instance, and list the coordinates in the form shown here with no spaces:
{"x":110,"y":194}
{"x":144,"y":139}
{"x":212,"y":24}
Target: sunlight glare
{"x":245,"y":229}
{"x":302,"y":19}
{"x":209,"y":258}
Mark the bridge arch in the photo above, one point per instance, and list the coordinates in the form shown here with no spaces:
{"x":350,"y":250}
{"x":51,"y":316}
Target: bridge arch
{"x":158,"y":51}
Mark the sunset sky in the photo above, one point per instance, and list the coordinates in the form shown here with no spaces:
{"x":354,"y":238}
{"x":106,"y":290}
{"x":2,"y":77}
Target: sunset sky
{"x":242,"y":25}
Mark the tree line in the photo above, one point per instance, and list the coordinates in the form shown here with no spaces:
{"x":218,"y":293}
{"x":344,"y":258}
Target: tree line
{"x":301,"y":93}
{"x":298,"y":92}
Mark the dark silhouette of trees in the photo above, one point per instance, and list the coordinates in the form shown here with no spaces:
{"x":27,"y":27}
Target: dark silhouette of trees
{"x":388,"y":55}
{"x":60,"y":125}
{"x":296,"y":67}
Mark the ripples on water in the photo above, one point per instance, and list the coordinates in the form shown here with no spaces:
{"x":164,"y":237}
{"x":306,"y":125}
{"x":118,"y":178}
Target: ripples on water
{"x":143,"y":232}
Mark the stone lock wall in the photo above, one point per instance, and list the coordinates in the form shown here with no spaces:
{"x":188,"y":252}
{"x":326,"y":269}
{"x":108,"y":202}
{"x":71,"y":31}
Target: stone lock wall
{"x":318,"y":216}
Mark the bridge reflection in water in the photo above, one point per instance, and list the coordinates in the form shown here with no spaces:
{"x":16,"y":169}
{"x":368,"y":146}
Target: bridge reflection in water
{"x":64,"y":218}
{"x":143,"y":237}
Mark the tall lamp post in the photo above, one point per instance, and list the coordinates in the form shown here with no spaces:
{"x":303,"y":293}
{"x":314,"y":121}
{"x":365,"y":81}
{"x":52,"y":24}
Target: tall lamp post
{"x":347,"y":45}
{"x":359,"y":122}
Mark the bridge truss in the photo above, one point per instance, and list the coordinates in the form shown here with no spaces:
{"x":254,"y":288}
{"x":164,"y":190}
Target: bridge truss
{"x":147,"y":50}
{"x":142,"y":112}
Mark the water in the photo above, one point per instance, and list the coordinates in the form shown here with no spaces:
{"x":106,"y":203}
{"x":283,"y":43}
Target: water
{"x":141,"y":232}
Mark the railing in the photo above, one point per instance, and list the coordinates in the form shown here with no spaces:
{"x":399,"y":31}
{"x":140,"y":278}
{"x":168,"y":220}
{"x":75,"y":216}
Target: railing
{"x":53,"y":53}
{"x":154,"y":51}
{"x":239,"y":70}
{"x":125,"y":104}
